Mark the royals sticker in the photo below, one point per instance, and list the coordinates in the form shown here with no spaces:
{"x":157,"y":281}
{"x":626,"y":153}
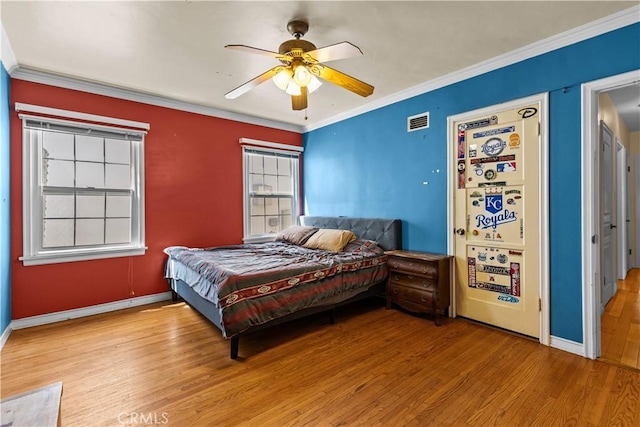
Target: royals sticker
{"x":496,"y":212}
{"x":493,"y":147}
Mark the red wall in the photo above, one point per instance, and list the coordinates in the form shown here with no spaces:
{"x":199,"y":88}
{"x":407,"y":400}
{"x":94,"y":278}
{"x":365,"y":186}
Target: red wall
{"x":193,"y":197}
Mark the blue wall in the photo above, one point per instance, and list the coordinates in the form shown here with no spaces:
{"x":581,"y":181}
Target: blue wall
{"x":371,"y":166}
{"x":5,"y":223}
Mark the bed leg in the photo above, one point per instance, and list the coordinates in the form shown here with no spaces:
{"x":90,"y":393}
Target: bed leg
{"x":233,"y":347}
{"x":174,"y":296}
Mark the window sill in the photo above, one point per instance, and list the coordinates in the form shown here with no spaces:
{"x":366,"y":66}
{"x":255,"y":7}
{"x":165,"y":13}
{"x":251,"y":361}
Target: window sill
{"x":68,"y":256}
{"x":261,"y":239}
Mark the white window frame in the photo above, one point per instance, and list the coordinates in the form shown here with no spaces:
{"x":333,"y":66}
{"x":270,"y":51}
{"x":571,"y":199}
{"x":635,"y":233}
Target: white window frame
{"x":32,"y":188}
{"x":266,"y":147}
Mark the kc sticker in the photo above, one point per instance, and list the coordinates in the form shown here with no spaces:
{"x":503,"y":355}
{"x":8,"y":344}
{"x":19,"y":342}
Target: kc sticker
{"x":493,"y":203}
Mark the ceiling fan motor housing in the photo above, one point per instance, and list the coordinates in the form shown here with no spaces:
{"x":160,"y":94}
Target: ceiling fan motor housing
{"x":296,"y":47}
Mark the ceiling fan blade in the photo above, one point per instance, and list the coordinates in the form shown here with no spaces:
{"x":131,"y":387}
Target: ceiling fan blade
{"x":299,"y":102}
{"x":342,"y":79}
{"x":332,"y":52}
{"x":250,"y":49}
{"x":240,"y":90}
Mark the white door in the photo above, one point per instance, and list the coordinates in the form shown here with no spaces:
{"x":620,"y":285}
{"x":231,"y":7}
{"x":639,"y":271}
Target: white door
{"x":623,"y":204}
{"x":497,"y":220}
{"x":606,"y":215}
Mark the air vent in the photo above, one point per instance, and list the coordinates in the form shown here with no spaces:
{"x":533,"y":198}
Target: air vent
{"x":417,"y":122}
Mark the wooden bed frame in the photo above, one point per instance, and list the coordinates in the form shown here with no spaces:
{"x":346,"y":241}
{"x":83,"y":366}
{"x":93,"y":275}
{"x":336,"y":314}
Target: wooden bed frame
{"x":387,"y":232}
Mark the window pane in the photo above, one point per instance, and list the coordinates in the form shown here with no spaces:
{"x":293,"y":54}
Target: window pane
{"x":90,"y":205}
{"x":89,"y":175}
{"x":118,"y":176}
{"x":286,"y":207}
{"x":284,"y":184}
{"x":257,"y":206}
{"x":118,"y":206}
{"x":286,"y":221}
{"x":284,"y":166}
{"x":273,"y":224}
{"x":57,"y":173}
{"x":58,"y":206}
{"x":89,"y":148}
{"x":56,"y":145}
{"x":270,"y":165}
{"x":257,"y":225}
{"x":117,"y":151}
{"x":271,"y":207}
{"x":270,"y":183}
{"x":257,"y":183}
{"x":118,"y":230}
{"x":255,"y":163}
{"x":57,"y":233}
{"x":89,"y":232}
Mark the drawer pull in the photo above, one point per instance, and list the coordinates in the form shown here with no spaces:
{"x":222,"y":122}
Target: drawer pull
{"x":423,"y":299}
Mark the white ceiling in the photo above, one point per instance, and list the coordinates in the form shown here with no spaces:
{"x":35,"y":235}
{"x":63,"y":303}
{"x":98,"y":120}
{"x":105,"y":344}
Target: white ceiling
{"x":176,"y":49}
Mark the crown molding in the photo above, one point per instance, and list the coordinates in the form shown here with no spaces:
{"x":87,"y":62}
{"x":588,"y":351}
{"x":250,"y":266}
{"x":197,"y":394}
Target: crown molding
{"x":601,"y":26}
{"x":7,"y":56}
{"x":52,"y":79}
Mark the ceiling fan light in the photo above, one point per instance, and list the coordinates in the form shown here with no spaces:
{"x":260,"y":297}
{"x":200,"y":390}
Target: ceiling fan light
{"x":314,"y":84}
{"x":293,"y":89}
{"x":302,"y":76}
{"x":282,"y":78}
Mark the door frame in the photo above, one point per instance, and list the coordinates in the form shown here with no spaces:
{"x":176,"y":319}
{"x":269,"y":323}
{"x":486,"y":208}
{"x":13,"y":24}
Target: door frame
{"x":591,"y":333}
{"x":543,"y":209}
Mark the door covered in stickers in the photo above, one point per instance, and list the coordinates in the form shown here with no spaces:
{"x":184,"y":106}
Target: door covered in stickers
{"x":496,"y":219}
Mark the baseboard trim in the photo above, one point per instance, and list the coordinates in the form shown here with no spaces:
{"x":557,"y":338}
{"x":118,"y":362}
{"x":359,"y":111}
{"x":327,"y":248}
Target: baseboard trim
{"x":567,"y":345}
{"x":60,"y":316}
{"x":5,"y":335}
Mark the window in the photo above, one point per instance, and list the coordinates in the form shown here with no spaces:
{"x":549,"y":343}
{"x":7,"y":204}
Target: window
{"x":270,"y":188}
{"x":83,"y":189}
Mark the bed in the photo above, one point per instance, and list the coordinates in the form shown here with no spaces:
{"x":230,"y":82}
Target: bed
{"x":245,"y":288}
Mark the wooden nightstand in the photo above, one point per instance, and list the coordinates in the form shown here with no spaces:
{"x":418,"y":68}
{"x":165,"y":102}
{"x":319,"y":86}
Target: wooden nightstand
{"x":419,"y":282}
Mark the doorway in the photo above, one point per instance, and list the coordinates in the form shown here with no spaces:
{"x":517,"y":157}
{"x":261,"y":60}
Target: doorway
{"x":594,"y":252}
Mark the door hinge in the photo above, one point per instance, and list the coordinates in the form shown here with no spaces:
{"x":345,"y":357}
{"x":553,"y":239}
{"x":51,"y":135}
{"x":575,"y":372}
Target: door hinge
{"x":539,"y":304}
{"x":628,"y":168}
{"x":538,"y":128}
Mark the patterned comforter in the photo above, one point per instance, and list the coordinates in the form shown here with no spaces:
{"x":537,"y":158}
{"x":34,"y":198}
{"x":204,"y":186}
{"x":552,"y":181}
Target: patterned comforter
{"x":254,"y":283}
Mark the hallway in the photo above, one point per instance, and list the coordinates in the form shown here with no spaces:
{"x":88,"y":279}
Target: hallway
{"x":621,"y":323}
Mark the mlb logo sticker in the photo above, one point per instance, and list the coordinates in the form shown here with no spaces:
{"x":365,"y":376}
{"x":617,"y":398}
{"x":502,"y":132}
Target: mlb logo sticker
{"x":493,"y":203}
{"x":506,"y":167}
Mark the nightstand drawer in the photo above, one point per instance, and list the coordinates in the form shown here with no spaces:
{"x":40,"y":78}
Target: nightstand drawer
{"x":413,"y":267}
{"x":411,"y":299}
{"x":405,"y":279}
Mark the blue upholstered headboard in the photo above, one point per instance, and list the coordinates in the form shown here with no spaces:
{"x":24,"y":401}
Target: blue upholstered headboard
{"x":387,"y":232}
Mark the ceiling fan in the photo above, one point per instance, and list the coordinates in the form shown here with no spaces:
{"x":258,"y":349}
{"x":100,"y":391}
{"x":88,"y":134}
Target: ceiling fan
{"x":302,"y":64}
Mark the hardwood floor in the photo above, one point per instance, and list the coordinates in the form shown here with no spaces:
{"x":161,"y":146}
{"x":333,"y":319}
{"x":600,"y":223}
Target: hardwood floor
{"x":621,"y":323}
{"x":164,"y":364}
